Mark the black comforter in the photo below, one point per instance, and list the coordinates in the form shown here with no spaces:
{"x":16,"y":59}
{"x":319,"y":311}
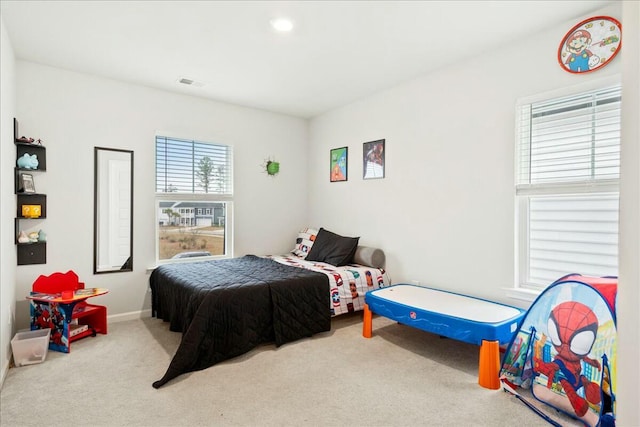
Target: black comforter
{"x":227,"y":307}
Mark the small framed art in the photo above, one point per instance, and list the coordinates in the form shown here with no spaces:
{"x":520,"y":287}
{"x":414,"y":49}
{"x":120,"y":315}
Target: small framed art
{"x":590,"y":45}
{"x":26,"y":183}
{"x":373,"y":159}
{"x":338,"y":164}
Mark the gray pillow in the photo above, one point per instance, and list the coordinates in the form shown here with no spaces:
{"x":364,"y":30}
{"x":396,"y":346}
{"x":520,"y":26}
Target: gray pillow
{"x":371,"y":257}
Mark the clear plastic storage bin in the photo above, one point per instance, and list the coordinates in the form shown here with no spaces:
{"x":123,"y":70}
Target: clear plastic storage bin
{"x":30,"y":347}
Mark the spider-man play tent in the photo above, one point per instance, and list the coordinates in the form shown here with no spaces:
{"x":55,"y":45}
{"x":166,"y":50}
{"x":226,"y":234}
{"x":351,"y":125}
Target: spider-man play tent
{"x":565,"y":349}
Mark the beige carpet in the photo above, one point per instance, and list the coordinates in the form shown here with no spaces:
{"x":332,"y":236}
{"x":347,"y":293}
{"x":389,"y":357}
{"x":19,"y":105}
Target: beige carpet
{"x":400,"y":377}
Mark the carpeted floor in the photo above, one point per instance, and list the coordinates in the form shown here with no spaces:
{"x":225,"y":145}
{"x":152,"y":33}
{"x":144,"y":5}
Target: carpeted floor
{"x":401,"y":376}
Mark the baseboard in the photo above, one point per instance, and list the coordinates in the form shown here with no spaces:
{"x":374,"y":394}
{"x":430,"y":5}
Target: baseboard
{"x":5,"y":372}
{"x":132,"y":315}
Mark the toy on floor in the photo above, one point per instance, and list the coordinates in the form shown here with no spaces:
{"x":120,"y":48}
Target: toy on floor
{"x":565,"y":350}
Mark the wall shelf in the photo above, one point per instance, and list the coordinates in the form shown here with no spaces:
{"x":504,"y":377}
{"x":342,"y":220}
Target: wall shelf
{"x":33,"y":252}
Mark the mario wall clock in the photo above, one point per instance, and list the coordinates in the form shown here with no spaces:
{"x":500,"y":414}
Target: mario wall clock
{"x":590,"y":45}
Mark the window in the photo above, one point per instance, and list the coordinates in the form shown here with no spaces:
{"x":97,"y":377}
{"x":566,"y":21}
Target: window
{"x":568,"y":165}
{"x":193,"y":177}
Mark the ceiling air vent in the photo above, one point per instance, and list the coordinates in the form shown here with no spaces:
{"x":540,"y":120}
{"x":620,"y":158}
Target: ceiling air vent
{"x":190,"y":82}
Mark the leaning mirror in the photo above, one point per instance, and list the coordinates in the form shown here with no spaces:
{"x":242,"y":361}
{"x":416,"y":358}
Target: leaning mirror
{"x":112,"y":210}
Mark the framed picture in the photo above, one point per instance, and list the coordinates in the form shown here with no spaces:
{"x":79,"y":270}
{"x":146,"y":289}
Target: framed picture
{"x":26,"y":183}
{"x":338,"y":164}
{"x":590,"y":45}
{"x":373,"y":159}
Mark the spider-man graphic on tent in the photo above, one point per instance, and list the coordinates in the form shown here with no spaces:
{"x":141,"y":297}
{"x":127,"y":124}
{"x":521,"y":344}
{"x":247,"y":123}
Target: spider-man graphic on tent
{"x":572,"y":328}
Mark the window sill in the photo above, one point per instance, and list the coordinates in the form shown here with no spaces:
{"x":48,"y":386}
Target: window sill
{"x":522,"y":294}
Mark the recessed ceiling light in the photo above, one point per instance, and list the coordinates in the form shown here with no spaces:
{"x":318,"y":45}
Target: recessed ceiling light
{"x":282,"y":24}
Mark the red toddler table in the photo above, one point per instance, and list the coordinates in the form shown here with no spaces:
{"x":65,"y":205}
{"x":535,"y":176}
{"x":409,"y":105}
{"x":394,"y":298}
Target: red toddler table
{"x":59,"y":302}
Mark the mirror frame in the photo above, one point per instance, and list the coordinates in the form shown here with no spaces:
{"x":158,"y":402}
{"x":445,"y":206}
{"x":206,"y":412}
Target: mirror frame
{"x":128,"y":265}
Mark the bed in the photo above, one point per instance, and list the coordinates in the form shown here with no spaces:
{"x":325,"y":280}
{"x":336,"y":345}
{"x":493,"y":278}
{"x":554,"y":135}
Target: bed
{"x":225,"y":308}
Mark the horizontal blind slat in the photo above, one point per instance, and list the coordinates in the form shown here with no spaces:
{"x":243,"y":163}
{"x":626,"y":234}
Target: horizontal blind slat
{"x":182,"y":166}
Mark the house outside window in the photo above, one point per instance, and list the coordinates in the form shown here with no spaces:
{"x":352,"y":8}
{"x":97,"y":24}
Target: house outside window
{"x":568,"y":166}
{"x":194,"y":199}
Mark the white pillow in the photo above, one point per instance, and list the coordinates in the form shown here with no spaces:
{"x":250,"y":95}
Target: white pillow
{"x":304,"y":242}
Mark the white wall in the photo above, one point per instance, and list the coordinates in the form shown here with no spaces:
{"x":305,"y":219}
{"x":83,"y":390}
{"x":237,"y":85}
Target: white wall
{"x":73,"y":112}
{"x":8,"y":206}
{"x":629,"y":289}
{"x":444,"y":213}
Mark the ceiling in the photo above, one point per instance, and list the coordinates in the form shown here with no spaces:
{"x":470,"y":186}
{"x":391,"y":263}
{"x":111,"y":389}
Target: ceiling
{"x":338,"y":51}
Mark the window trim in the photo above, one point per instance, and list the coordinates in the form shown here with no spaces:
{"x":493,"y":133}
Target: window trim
{"x":592,"y":85}
{"x":522,"y":192}
{"x":227,"y":198}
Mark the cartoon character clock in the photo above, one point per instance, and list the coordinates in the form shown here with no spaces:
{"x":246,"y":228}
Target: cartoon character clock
{"x":590,"y":45}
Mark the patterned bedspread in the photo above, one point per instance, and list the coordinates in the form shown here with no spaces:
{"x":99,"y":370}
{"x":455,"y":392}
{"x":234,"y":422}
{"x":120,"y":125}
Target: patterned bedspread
{"x":348,"y":284}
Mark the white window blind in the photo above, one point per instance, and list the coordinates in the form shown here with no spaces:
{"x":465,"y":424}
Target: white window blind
{"x":568,"y":164}
{"x":572,"y":234}
{"x":186,"y":166}
{"x":570,"y":140}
